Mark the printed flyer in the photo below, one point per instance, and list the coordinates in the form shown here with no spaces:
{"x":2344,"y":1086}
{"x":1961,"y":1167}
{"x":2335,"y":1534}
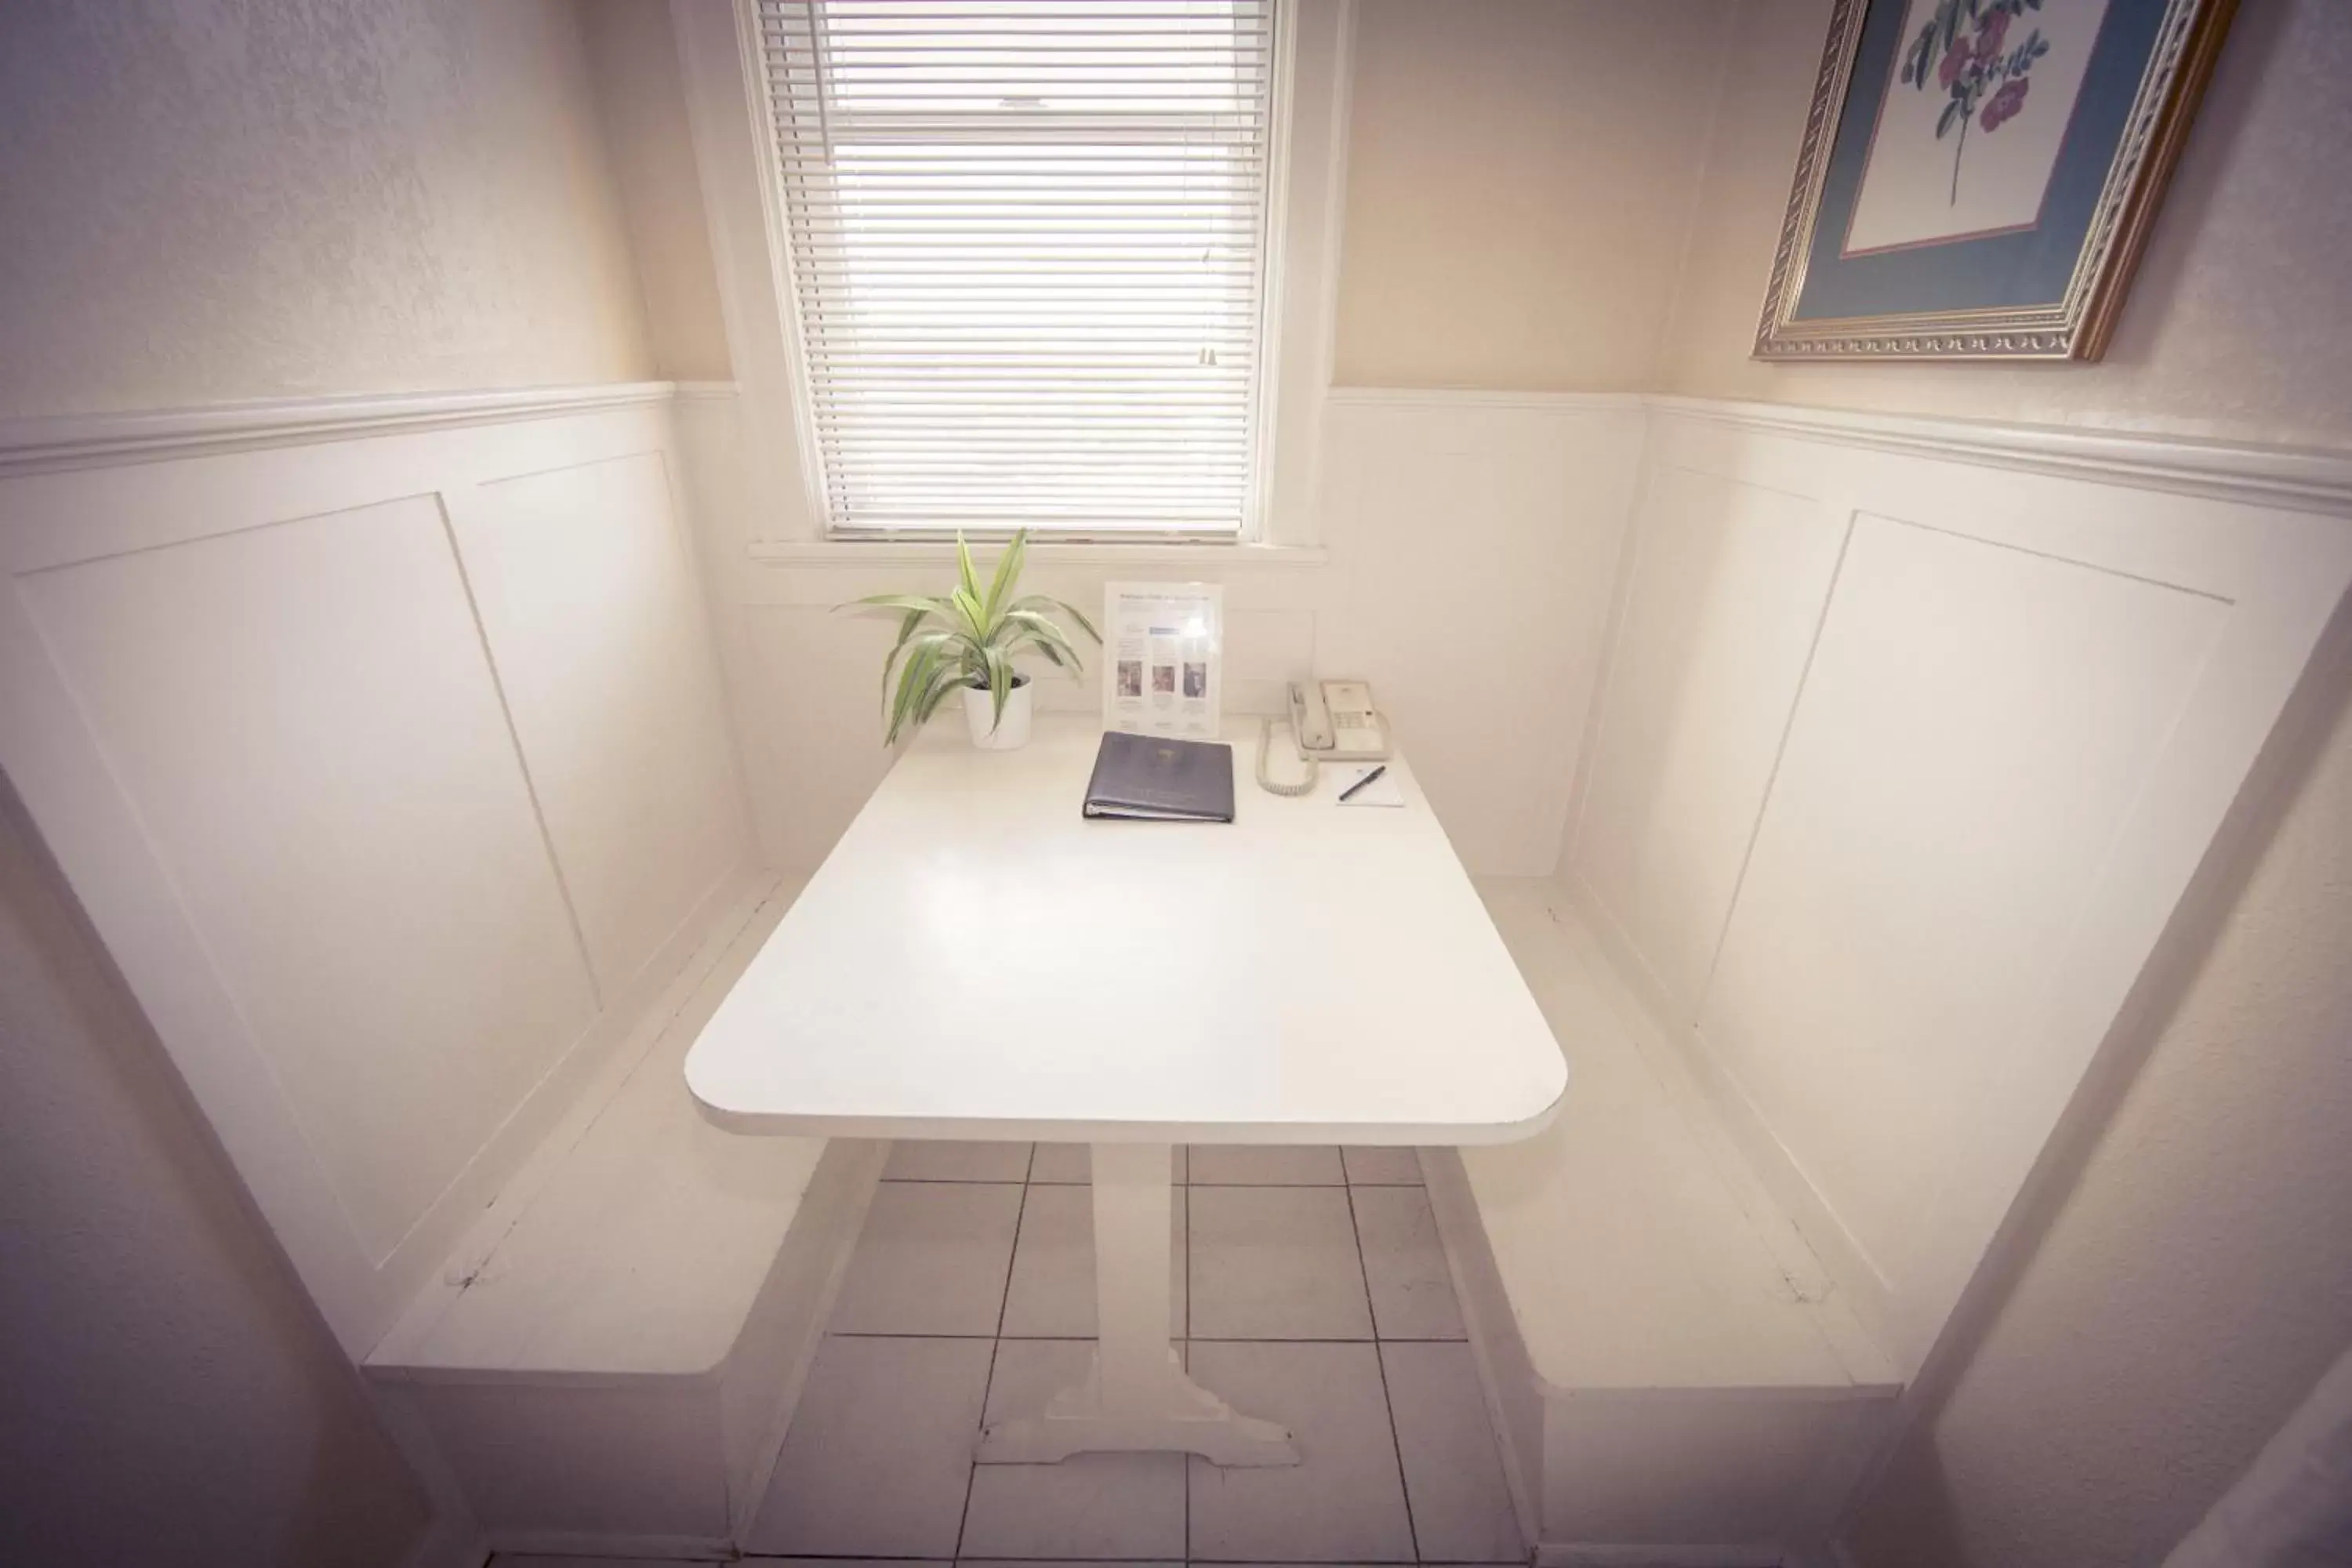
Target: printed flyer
{"x":1163,"y":646}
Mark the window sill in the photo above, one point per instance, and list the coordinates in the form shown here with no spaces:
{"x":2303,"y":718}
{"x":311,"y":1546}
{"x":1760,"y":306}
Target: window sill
{"x":1219,"y":554}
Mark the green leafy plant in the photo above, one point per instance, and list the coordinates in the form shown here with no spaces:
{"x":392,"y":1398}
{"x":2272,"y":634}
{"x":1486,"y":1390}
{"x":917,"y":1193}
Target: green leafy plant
{"x":968,"y":638}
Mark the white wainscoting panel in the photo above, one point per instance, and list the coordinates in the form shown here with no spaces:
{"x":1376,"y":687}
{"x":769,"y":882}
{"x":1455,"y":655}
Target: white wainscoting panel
{"x":811,"y":723}
{"x":589,"y":598}
{"x":1724,"y":587}
{"x":1477,"y":542}
{"x":1977,"y":725}
{"x":302,"y":720}
{"x":384,"y":763}
{"x":812,"y":705}
{"x":1909,"y":756}
{"x":1467,"y":546}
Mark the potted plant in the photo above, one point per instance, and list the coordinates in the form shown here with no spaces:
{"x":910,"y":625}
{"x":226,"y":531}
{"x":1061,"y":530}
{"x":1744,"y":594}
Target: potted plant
{"x":965,"y":641}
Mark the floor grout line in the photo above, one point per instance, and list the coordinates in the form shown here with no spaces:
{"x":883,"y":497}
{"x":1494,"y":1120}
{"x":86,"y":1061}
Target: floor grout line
{"x":996,"y":1349}
{"x":1179,"y":1187}
{"x":1199,"y":1339}
{"x":1380,"y":1365}
{"x":958,"y":1181}
{"x":1184,"y":1356}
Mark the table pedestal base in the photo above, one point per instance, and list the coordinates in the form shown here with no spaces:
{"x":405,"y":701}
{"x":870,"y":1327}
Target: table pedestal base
{"x":1135,"y":1396}
{"x":1180,"y":1416}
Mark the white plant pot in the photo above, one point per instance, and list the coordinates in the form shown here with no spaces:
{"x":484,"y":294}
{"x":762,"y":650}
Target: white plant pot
{"x":988,"y":732}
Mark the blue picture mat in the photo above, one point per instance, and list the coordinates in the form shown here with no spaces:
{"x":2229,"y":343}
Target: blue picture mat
{"x":2029,"y":267}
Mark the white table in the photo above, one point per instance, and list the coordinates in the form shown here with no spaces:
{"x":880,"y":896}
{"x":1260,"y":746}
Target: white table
{"x":977,"y":961}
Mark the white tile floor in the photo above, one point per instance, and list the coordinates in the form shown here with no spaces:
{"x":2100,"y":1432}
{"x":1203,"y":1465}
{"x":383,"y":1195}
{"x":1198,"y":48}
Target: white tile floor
{"x":1313,"y":1290}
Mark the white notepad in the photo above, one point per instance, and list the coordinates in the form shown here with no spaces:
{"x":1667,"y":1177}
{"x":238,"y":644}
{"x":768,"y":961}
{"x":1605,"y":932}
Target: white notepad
{"x":1382,"y":791}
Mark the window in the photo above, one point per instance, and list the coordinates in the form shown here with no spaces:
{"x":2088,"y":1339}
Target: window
{"x":1028,"y":252}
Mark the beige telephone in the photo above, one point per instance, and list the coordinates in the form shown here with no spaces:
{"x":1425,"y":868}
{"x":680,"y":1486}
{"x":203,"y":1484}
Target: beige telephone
{"x":1330,"y":722}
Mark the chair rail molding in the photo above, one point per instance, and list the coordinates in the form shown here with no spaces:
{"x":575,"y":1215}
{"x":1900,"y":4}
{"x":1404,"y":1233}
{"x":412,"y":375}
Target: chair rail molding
{"x":2301,"y":479}
{"x":1435,"y":399}
{"x":1102,"y":551}
{"x":54,"y":443}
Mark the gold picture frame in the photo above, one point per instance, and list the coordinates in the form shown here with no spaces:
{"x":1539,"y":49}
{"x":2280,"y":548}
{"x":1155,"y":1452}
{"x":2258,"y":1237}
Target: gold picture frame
{"x":2151,"y":68}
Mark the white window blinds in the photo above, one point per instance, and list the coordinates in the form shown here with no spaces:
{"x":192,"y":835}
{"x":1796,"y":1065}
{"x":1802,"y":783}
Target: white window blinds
{"x":1028,"y":253}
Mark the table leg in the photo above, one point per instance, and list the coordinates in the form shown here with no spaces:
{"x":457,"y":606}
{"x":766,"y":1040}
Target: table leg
{"x":1135,"y":1396}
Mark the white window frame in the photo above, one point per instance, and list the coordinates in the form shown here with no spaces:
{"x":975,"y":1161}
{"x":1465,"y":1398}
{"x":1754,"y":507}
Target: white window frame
{"x":735,"y":154}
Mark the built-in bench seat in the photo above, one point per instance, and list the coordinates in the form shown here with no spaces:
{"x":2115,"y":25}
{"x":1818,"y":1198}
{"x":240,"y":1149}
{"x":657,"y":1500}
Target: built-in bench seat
{"x":1673,"y":1376}
{"x":610,"y":1361}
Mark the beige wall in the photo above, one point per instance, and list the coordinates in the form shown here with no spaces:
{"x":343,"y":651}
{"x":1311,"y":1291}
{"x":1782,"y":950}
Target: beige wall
{"x":1520,"y":175}
{"x":2198,"y":1277}
{"x":206,"y":200}
{"x":2239,"y":325}
{"x":172,"y":1396}
{"x":633,"y":56}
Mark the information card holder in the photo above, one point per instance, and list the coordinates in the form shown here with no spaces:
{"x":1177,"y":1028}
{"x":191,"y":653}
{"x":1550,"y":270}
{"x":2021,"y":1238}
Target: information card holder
{"x":1164,"y":670}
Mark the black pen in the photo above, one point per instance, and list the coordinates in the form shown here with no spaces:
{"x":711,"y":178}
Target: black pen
{"x":1361,"y":783}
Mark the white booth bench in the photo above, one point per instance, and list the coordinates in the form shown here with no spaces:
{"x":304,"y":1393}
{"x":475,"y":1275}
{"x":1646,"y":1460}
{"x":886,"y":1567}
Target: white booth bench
{"x":610,"y":1359}
{"x":1668,"y":1367}
{"x":1908,"y":748}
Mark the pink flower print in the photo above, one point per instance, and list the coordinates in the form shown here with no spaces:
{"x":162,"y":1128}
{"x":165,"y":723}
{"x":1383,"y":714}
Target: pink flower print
{"x":2006,"y":102}
{"x":1983,"y":79}
{"x":1990,"y":34}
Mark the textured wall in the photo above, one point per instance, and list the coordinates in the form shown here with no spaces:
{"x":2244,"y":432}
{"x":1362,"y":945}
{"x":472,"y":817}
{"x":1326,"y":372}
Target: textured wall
{"x":633,"y":56}
{"x":1519,"y":179}
{"x":2236,"y":326}
{"x":172,"y":1396}
{"x":2198,"y":1277}
{"x":208,"y":200}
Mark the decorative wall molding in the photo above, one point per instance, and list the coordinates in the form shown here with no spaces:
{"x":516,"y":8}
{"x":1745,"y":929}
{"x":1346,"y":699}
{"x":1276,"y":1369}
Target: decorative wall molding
{"x":1214,"y":553}
{"x":2303,"y":479}
{"x":51,"y":443}
{"x":2300,"y":478}
{"x":1441,"y":398}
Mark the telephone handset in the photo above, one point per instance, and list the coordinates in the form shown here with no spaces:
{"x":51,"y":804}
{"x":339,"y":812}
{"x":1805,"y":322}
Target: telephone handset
{"x":1334,"y":722}
{"x":1330,"y":722}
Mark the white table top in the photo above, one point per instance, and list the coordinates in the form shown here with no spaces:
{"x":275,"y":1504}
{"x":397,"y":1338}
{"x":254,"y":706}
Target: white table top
{"x":976,"y":959}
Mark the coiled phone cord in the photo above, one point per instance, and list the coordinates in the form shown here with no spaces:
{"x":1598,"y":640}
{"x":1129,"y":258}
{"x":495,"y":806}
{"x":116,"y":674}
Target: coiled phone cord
{"x":1265,"y":744}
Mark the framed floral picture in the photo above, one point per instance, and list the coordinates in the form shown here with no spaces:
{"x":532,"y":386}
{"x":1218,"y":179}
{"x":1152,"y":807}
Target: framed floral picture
{"x":1978,"y":176}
